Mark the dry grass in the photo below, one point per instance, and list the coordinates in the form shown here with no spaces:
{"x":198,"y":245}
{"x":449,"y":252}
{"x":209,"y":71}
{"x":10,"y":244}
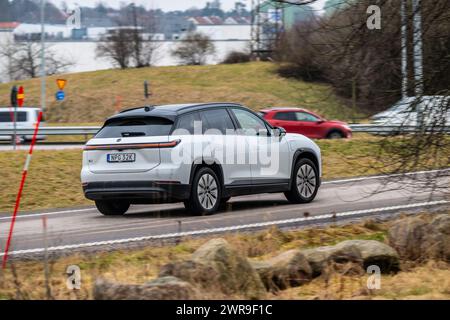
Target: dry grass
{"x":53,"y":180}
{"x":138,"y":266}
{"x":428,"y":281}
{"x":92,"y":96}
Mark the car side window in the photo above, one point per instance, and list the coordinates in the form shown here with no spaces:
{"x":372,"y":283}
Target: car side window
{"x":306,"y":117}
{"x":285,"y":116}
{"x":187,"y":122}
{"x":217,"y":119}
{"x":22,"y":116}
{"x":250,"y":123}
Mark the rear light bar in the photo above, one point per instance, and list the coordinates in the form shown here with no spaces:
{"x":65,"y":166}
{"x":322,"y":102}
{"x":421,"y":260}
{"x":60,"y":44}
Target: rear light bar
{"x":129,"y":146}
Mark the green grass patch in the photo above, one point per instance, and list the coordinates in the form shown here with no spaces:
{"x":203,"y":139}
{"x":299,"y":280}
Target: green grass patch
{"x":93,"y":96}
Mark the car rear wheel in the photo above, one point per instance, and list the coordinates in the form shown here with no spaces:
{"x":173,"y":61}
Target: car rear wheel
{"x":336,"y":135}
{"x":305,"y":182}
{"x":205,"y":194}
{"x":112,"y":208}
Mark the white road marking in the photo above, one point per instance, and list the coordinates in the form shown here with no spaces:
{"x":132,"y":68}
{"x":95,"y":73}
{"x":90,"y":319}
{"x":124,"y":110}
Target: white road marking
{"x":384,"y":176}
{"x":324,"y":183}
{"x":46,"y":214}
{"x":228,"y":229}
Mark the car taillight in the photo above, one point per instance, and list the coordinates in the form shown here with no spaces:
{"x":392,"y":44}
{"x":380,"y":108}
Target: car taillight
{"x":128,"y":146}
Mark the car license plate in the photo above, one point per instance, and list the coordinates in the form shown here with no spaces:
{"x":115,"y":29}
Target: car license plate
{"x":121,"y":157}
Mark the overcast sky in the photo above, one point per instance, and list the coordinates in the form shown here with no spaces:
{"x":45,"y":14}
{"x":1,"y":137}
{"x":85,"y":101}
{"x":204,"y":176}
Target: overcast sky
{"x":166,"y":5}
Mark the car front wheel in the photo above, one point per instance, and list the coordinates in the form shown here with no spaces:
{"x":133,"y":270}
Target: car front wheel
{"x":305,"y":182}
{"x":335,"y":135}
{"x":112,"y":208}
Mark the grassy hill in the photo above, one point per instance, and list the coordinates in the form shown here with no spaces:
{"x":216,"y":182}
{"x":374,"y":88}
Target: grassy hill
{"x":92,"y":96}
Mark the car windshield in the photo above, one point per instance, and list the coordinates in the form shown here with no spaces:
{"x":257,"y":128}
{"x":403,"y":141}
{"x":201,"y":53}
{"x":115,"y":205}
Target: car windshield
{"x":137,"y":127}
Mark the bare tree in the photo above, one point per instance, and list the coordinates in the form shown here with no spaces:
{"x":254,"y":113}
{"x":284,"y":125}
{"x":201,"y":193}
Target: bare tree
{"x":133,"y":43}
{"x":365,"y":65}
{"x":194,"y":49}
{"x":23,"y":60}
{"x":116,"y":47}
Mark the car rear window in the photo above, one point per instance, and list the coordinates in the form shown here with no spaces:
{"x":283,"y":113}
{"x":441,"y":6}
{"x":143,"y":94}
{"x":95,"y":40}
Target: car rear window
{"x":139,"y":127}
{"x":6,"y":116}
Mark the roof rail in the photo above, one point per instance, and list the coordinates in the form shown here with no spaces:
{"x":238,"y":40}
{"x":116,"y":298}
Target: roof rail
{"x":211,"y":104}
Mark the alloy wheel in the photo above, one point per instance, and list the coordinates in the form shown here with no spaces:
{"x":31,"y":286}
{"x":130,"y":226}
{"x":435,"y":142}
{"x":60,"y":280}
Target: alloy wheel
{"x":207,"y":191}
{"x":306,"y":181}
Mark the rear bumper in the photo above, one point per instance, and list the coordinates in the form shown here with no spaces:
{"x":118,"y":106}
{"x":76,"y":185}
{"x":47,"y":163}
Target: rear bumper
{"x":137,"y":191}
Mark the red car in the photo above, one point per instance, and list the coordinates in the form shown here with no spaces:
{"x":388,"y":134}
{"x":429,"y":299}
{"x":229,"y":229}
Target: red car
{"x":307,"y":123}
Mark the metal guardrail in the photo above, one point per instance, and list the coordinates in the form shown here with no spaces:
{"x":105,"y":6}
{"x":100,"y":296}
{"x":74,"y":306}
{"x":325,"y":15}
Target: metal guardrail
{"x":357,"y":128}
{"x":381,"y":129}
{"x":53,"y":131}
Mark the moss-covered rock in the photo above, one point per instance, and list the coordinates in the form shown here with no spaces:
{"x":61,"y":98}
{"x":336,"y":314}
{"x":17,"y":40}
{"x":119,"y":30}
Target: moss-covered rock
{"x":166,"y":288}
{"x":418,"y":239}
{"x":362,"y":252}
{"x":216,"y":265}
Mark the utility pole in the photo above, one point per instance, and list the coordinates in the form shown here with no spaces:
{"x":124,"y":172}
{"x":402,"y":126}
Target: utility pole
{"x":404,"y":44}
{"x":14,"y":106}
{"x":137,"y":39}
{"x":43,"y":71}
{"x":418,"y":59}
{"x":418,"y":47}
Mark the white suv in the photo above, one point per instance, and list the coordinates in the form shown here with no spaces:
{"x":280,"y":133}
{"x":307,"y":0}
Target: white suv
{"x":199,"y":154}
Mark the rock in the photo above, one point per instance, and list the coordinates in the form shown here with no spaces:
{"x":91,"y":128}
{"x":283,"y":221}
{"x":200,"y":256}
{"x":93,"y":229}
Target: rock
{"x":289,"y":269}
{"x":373,"y":252}
{"x":362,"y":252}
{"x":407,"y":236}
{"x":320,"y":257}
{"x":439,"y":239}
{"x":191,"y":271}
{"x":167,"y":288}
{"x":417,"y":239}
{"x":216,"y":266}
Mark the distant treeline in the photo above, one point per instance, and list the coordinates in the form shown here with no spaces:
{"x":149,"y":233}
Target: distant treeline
{"x":365,"y":65}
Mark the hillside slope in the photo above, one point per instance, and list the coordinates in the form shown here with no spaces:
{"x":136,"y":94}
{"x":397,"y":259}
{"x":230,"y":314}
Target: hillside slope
{"x":92,"y":96}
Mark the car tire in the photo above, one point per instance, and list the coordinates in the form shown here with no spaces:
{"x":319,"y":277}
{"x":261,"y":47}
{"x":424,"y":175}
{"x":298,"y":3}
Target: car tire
{"x":112,"y":208}
{"x":334,"y":135}
{"x":225,"y":200}
{"x":205,"y":193}
{"x":305,"y":182}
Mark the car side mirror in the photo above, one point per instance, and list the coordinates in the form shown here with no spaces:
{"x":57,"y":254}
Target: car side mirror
{"x":279,"y":132}
{"x":320,"y":121}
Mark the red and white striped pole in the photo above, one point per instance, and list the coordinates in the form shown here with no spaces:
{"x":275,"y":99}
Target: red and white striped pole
{"x":19,"y":194}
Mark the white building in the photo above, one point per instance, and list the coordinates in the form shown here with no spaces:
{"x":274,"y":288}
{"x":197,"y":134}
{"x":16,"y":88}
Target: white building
{"x":25,"y":30}
{"x":226,"y":32}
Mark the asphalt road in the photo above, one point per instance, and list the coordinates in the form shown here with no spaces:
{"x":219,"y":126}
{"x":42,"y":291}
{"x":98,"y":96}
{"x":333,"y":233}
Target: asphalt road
{"x":83,"y":228}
